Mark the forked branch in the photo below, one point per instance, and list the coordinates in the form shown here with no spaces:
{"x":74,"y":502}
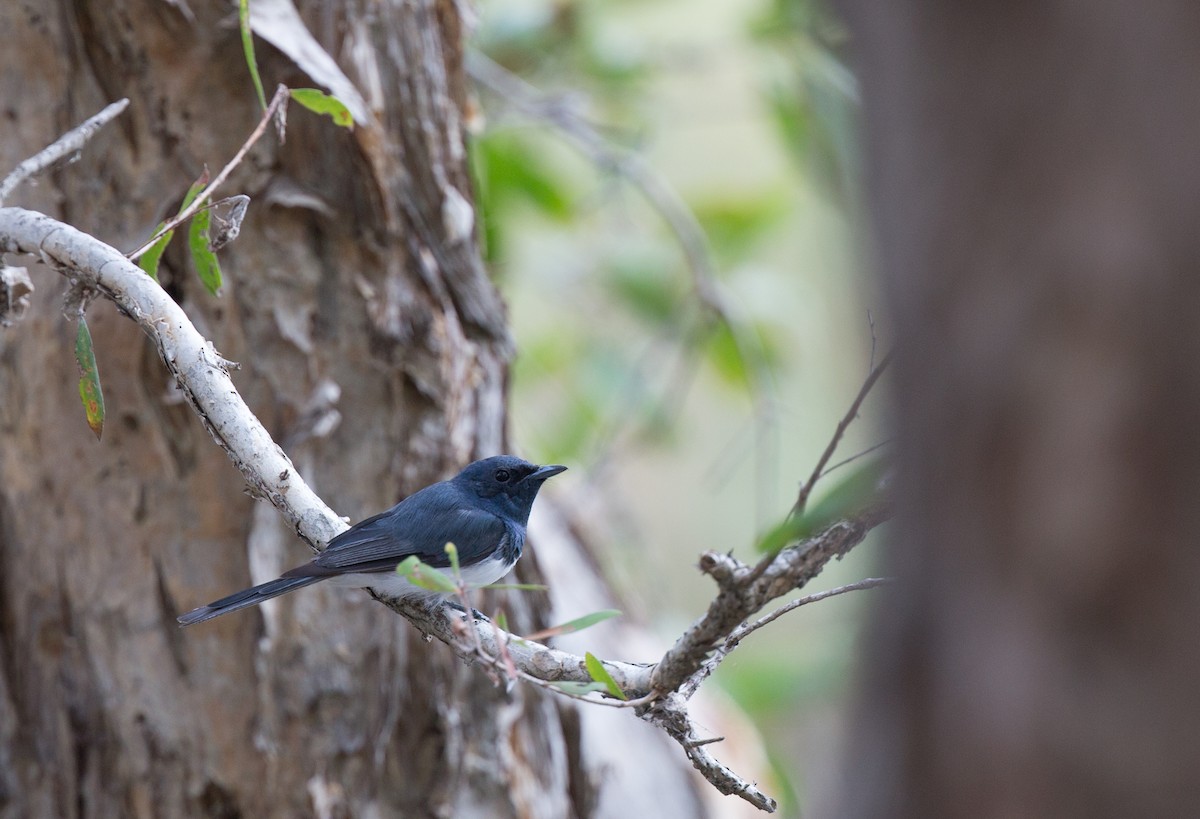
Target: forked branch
{"x":658,"y":691}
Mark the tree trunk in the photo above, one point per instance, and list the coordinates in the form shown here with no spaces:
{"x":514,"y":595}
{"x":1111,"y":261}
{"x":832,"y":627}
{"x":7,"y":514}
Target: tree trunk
{"x":356,"y":275}
{"x":1036,"y":182}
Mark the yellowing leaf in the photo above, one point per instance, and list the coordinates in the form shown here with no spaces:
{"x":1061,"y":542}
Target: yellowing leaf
{"x":319,"y":102}
{"x":89,"y":379}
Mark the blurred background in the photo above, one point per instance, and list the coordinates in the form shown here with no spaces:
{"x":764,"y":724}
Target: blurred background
{"x":671,"y":215}
{"x":668,"y":191}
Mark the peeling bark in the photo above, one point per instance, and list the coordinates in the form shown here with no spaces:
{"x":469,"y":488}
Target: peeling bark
{"x":356,"y":275}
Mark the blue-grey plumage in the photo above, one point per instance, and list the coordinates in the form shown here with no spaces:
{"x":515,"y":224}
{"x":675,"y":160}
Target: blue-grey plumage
{"x":483,"y":511}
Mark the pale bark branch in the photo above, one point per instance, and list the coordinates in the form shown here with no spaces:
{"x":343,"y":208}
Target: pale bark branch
{"x":198,"y":369}
{"x":659,"y":691}
{"x":670,"y":713}
{"x":744,"y":590}
{"x":743,"y":631}
{"x":66,"y":145}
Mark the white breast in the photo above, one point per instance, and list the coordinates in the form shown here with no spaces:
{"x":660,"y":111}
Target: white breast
{"x":390,"y":584}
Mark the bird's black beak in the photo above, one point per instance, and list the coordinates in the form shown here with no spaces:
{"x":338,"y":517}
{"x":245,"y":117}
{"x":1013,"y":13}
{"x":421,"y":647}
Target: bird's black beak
{"x":544,"y":472}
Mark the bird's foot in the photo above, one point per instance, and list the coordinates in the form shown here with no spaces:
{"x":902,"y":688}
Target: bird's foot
{"x":476,"y":613}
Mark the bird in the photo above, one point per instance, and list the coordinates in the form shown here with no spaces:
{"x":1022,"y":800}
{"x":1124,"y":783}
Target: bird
{"x":483,"y":511}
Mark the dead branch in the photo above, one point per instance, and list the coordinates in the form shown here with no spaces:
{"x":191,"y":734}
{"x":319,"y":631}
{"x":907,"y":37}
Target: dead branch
{"x":744,"y":590}
{"x":65,"y":146}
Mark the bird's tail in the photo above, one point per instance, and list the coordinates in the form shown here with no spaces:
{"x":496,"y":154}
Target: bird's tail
{"x":245,"y":598}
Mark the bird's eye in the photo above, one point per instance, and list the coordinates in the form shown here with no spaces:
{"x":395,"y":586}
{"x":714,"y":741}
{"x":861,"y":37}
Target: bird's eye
{"x":502,"y":475}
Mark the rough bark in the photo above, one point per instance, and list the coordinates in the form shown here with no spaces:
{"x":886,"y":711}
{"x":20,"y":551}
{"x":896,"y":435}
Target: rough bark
{"x":356,"y":274}
{"x":1035,"y":187}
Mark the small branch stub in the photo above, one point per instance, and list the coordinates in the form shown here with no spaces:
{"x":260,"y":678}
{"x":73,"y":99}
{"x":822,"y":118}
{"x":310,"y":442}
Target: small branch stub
{"x":15,"y":290}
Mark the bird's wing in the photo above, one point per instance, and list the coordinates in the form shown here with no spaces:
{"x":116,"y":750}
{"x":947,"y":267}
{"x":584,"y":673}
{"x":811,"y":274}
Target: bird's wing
{"x":420,"y":525}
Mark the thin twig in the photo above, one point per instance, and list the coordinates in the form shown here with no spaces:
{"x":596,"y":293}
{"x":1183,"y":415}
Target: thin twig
{"x":852,"y":413}
{"x":737,"y":635}
{"x":855,"y":457}
{"x":671,"y":715}
{"x":874,"y":339}
{"x":66,"y":145}
{"x":743,"y":593}
{"x":281,"y":96}
{"x":746,"y":630}
{"x":504,"y":663}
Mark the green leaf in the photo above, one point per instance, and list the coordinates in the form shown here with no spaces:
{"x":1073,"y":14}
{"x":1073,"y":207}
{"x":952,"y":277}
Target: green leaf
{"x":727,"y":357}
{"x":501,"y":620}
{"x":407,"y":565}
{"x":846,"y":497}
{"x":248,"y":49}
{"x":587,"y":621}
{"x":645,"y":280}
{"x":578,"y":624}
{"x":786,"y":531}
{"x":194,"y":190}
{"x":738,"y":359}
{"x":425,"y":576}
{"x":735,"y":224}
{"x":207,"y":266}
{"x":321,"y":103}
{"x":430,"y":578}
{"x":600,"y":674}
{"x":452,"y":553}
{"x":511,"y":169}
{"x":149,"y":260}
{"x":579,"y":688}
{"x":89,"y":379}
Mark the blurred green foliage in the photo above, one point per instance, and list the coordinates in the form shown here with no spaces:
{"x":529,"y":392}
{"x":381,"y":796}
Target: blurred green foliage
{"x":736,"y":224}
{"x":838,"y":498}
{"x":611,"y":333}
{"x":635,"y":279}
{"x":813,"y":94}
{"x":511,"y":174}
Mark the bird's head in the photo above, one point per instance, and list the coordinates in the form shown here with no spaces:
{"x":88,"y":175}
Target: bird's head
{"x":507,"y":482}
